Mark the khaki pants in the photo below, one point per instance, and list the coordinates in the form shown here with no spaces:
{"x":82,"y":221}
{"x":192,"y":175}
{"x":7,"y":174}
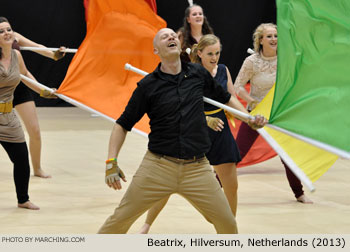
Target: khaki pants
{"x":157,"y":178}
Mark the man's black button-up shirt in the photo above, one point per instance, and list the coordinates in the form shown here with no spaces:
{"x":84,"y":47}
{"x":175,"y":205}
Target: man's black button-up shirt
{"x":175,"y":106}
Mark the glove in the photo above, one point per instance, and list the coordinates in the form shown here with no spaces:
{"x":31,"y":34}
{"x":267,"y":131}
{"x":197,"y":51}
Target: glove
{"x":59,"y":54}
{"x":47,"y":94}
{"x":113,"y":172}
{"x":214,"y":123}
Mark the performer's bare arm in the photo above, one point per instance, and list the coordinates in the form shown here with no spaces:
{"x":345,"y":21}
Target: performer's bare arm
{"x":242,"y":92}
{"x":116,"y":141}
{"x":113,"y":172}
{"x":23,"y":41}
{"x":23,"y":70}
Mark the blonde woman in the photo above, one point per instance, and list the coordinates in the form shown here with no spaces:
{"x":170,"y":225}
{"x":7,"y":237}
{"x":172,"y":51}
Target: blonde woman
{"x":260,"y":70}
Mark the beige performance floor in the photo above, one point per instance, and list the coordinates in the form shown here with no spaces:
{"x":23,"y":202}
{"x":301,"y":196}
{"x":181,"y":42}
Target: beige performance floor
{"x":76,"y":200}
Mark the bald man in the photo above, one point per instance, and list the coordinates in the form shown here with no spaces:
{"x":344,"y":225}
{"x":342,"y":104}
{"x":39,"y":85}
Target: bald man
{"x":172,"y":97}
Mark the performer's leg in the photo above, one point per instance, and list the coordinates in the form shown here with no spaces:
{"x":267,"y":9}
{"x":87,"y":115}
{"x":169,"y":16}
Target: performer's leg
{"x":228,"y":177}
{"x":18,"y":154}
{"x":246,"y":137}
{"x":295,"y":185}
{"x":27,"y":112}
{"x":152,"y":214}
{"x":152,"y":182}
{"x":199,"y":186}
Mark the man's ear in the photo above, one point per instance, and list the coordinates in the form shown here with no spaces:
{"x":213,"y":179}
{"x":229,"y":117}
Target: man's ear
{"x":155,"y":51}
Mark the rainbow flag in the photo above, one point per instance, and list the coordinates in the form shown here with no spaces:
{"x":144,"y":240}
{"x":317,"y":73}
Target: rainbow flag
{"x":313,"y":85}
{"x":310,"y":99}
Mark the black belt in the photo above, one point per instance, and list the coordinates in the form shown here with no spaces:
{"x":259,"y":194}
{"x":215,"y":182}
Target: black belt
{"x":181,"y":160}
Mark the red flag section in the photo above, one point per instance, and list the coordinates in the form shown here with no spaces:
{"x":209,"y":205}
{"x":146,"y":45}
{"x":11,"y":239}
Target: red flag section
{"x":118,"y":32}
{"x":152,"y":4}
{"x":260,"y":151}
{"x":86,"y":6}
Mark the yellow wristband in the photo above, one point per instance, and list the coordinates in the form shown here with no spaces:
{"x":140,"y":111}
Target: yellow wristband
{"x":42,"y":92}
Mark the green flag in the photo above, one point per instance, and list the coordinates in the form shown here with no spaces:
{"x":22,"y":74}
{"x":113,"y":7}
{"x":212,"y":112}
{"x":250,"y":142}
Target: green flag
{"x":313,"y":77}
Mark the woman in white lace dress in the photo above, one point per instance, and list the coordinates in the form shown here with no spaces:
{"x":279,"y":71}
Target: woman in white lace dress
{"x":260,"y":70}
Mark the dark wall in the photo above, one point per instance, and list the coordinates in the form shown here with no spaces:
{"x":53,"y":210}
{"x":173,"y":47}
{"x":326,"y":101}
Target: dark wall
{"x":233,"y":22}
{"x":62,"y":22}
{"x":52,"y":23}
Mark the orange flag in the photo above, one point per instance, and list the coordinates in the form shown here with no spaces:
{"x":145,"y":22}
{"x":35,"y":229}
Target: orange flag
{"x":118,"y":32}
{"x":260,"y":150}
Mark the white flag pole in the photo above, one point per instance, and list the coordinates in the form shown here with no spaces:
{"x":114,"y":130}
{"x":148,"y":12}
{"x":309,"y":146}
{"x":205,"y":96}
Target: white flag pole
{"x":294,"y":168}
{"x":208,"y":100}
{"x":77,"y":104}
{"x":285,"y":157}
{"x":250,"y":51}
{"x":28,"y":48}
{"x":233,"y":111}
{"x":134,"y":69}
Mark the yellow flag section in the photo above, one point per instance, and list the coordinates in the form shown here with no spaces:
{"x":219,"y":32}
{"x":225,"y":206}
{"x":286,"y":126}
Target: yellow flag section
{"x":314,"y":162}
{"x":118,"y":32}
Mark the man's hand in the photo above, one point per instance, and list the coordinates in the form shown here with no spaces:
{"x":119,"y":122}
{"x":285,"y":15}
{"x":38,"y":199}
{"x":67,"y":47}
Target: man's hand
{"x":215,"y":123}
{"x":257,"y":122}
{"x":113,"y":174}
